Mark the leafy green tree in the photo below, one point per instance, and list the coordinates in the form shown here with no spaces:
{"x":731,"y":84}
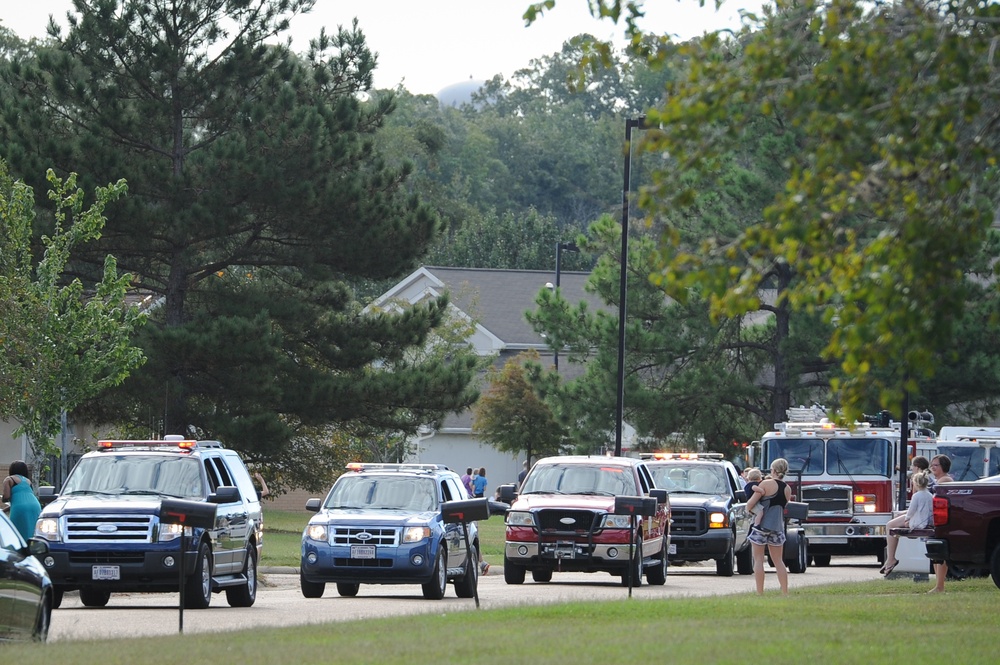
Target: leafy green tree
{"x":889,"y":196}
{"x":60,"y":344}
{"x":512,"y":418}
{"x":258,"y":201}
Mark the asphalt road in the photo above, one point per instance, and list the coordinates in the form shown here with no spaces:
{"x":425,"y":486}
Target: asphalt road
{"x":280,"y":602}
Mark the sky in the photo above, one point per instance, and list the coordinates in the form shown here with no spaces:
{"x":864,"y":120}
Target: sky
{"x":427,"y":45}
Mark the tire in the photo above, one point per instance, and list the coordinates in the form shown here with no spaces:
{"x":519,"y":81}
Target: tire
{"x":348,"y":589}
{"x":657,"y":575}
{"x":40,"y":633}
{"x":512,"y":573}
{"x":542,"y":575}
{"x":635,"y":567}
{"x":91,"y":597}
{"x":198,"y":587}
{"x":434,"y":590}
{"x":801,"y":561}
{"x":744,"y":561}
{"x":57,"y":597}
{"x":246,"y":594}
{"x":465,"y":587}
{"x":725,"y":567}
{"x":311,"y":589}
{"x":995,"y":566}
{"x":821,"y":560}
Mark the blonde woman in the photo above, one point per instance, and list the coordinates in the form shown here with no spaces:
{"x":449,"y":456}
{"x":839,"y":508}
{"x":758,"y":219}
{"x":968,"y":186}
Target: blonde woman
{"x":768,"y":529}
{"x":918,"y":516}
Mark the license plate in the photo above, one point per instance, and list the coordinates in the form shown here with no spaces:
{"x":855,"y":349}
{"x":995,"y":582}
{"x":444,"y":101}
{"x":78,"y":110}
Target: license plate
{"x":105,"y":573}
{"x":362,"y":551}
{"x":672,"y":549}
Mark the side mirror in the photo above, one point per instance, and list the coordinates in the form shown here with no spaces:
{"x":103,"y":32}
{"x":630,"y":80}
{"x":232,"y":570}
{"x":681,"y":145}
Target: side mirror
{"x":498,"y":507}
{"x":659,"y":495}
{"x":507,"y":493}
{"x":224,"y":494}
{"x":640,"y":506}
{"x":463,"y":512}
{"x":195,"y":514}
{"x":46,"y":495}
{"x":313,"y":505}
{"x":741,"y":496}
{"x":38,"y":547}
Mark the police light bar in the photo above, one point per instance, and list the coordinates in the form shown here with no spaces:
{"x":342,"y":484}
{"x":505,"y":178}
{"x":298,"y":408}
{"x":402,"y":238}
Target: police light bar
{"x":117,"y":444}
{"x":378,"y":466}
{"x":694,"y":456}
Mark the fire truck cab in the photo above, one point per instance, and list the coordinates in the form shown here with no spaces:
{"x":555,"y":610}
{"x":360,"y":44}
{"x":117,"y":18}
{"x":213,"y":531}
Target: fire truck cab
{"x":847,"y":475}
{"x":973,"y":451}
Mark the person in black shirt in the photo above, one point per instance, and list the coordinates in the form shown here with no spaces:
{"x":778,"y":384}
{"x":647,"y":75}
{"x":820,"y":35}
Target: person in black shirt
{"x":768,"y":529}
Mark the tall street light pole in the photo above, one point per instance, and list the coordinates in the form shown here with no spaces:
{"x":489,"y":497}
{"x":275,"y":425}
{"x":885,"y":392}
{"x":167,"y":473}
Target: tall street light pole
{"x":560,"y":247}
{"x":630,"y":124}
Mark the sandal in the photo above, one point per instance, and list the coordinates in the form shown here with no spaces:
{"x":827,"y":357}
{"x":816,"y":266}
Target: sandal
{"x":888,"y":568}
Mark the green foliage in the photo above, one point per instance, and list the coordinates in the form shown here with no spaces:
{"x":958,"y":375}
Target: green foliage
{"x":511,"y":417}
{"x":259,"y":200}
{"x":60,"y":342}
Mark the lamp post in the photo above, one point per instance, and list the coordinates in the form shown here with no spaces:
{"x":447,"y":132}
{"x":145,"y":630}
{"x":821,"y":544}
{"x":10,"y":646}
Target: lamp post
{"x":630,"y":124}
{"x":560,"y":247}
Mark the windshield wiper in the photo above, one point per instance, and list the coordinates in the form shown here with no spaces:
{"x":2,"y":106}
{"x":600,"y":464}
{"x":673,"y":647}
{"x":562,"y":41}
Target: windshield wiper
{"x":101,"y":492}
{"x":543,"y":492}
{"x":596,"y":493}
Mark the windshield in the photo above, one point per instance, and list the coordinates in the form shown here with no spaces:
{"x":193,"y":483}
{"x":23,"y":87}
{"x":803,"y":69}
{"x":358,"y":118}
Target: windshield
{"x":968,"y":462}
{"x":170,"y":475}
{"x":407,"y":493}
{"x":690,"y":478}
{"x":847,"y":457}
{"x":580,"y":479}
{"x":802,"y":454}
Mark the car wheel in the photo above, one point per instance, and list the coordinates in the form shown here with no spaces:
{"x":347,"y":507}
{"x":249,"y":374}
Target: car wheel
{"x":995,"y":566}
{"x":348,"y":589}
{"x":512,"y":573}
{"x":91,"y":597}
{"x":542,"y":575}
{"x":57,"y":596}
{"x":434,"y":590}
{"x":744,"y":561}
{"x":800,"y":561}
{"x":465,"y":586}
{"x":657,"y":574}
{"x":726,"y":565}
{"x":246,"y":594}
{"x":40,"y":633}
{"x":198,"y":588}
{"x":311,"y":589}
{"x":635,"y":567}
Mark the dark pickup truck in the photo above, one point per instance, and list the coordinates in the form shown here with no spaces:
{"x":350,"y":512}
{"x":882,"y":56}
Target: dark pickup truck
{"x":967,"y":525}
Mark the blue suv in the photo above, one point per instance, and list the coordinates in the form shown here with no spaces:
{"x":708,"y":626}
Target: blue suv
{"x":382,"y":524}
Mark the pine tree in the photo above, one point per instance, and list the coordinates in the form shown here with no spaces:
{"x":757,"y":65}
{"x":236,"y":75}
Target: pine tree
{"x":256,"y":196}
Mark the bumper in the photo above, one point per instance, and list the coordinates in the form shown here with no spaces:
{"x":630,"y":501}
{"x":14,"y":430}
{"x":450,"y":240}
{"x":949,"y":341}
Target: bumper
{"x":570,"y":556}
{"x":937,"y":549}
{"x":709,"y":545}
{"x":136,"y":570}
{"x":405,"y":564}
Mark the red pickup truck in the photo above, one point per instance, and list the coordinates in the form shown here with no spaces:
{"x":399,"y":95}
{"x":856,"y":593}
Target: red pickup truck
{"x":967,"y":525}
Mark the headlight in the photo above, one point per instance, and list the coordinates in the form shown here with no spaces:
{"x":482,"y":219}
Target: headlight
{"x":48,"y":529}
{"x":170,"y":532}
{"x":415,"y":534}
{"x":617,"y":522}
{"x":316,"y":532}
{"x":717,"y":521}
{"x":520,"y":518}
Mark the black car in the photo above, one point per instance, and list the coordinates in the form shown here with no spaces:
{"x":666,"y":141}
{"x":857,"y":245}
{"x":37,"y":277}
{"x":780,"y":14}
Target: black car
{"x":25,"y":589}
{"x":708,"y":506}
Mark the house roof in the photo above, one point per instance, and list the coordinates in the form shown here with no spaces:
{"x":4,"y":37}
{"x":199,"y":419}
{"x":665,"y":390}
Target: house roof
{"x":497,"y":299}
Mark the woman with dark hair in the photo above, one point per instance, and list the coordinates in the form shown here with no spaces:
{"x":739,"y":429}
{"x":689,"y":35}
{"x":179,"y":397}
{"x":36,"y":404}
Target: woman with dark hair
{"x":24,"y":506}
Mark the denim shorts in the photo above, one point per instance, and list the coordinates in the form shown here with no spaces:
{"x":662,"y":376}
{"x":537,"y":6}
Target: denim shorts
{"x":758,"y":537}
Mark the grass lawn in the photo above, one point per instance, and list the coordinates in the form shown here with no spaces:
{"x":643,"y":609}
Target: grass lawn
{"x":283,"y":538}
{"x":879,"y":622}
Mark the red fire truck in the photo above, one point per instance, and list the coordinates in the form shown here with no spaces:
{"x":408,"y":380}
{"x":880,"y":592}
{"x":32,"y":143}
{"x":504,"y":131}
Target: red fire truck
{"x":848,"y":476}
